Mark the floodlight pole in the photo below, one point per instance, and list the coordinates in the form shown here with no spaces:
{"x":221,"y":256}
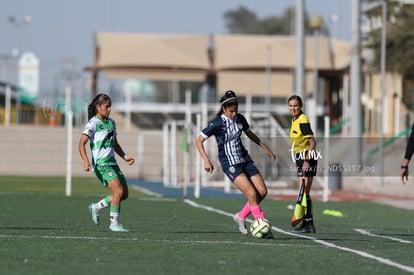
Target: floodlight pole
{"x":383,"y":60}
{"x":356,"y":82}
{"x":316,"y":24}
{"x":300,"y":52}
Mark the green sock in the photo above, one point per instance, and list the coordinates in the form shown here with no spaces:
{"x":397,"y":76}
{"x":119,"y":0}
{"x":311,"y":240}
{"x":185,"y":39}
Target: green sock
{"x":108,"y":200}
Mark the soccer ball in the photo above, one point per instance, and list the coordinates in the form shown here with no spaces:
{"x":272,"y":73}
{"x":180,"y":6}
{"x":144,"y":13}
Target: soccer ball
{"x":260,"y":228}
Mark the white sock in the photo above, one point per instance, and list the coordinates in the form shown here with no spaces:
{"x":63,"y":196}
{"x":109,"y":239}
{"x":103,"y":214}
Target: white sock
{"x":101,"y":204}
{"x":114,"y":216}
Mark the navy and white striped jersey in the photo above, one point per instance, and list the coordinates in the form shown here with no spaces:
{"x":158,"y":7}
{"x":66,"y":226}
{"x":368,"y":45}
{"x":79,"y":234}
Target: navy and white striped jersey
{"x":227,"y":132}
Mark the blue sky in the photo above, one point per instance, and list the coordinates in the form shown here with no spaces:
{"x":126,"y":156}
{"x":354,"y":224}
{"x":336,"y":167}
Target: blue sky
{"x":62,"y":29}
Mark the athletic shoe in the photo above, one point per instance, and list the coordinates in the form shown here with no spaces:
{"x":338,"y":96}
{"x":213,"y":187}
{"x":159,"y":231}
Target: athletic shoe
{"x":94,"y":213}
{"x":118,"y":228}
{"x":301,"y":230}
{"x":306,"y":227}
{"x":311,"y":227}
{"x":241,"y":223}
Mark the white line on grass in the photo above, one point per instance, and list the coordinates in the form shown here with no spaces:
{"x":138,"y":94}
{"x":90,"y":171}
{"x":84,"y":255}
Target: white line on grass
{"x":145,"y":191}
{"x":157,"y":199}
{"x":145,"y":240}
{"x":365,"y":232}
{"x":328,"y":244}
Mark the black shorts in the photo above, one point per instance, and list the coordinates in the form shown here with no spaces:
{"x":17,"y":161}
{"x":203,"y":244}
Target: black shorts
{"x":313,"y":166}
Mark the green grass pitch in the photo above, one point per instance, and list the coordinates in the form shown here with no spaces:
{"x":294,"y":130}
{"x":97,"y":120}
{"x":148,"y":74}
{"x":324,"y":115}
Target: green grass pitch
{"x":44,"y":232}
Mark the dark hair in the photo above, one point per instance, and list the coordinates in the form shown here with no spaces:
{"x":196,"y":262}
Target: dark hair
{"x":228,"y":99}
{"x":97,"y":100}
{"x":298,"y":98}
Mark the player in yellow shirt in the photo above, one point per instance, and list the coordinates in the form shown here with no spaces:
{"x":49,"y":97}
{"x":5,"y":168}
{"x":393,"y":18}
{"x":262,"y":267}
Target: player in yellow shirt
{"x":303,"y":154}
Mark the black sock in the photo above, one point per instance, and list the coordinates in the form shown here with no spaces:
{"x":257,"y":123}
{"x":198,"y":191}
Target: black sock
{"x":309,"y":215}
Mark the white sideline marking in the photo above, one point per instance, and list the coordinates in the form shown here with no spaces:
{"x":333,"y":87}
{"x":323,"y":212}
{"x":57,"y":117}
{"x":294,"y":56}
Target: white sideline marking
{"x":144,"y":240}
{"x":157,"y":199}
{"x":365,"y":232}
{"x":145,"y":191}
{"x":328,"y":244}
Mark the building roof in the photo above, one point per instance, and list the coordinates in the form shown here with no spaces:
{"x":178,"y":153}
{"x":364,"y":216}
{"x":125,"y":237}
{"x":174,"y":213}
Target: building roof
{"x":248,"y":64}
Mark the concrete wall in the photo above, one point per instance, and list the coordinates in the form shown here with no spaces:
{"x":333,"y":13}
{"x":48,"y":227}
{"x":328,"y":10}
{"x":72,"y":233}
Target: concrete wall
{"x":42,"y":151}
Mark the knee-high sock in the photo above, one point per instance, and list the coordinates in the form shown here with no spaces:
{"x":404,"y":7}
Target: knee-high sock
{"x":309,"y":207}
{"x":245,"y":211}
{"x":257,"y":212}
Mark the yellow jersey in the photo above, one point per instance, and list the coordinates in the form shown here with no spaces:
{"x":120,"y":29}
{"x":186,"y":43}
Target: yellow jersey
{"x":300,"y":132}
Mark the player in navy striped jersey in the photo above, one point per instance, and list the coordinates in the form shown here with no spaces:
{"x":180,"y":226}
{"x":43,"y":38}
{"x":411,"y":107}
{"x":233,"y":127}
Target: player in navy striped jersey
{"x":235,"y":161}
{"x":101,"y":133}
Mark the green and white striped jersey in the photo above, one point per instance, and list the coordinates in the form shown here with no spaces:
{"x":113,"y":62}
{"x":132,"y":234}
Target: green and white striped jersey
{"x":102,"y":140}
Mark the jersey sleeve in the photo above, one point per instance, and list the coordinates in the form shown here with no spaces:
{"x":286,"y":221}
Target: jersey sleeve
{"x":306,"y":129}
{"x":305,"y":126}
{"x":115,"y":129}
{"x":89,"y":129}
{"x":210,"y":129}
{"x":245,"y":124}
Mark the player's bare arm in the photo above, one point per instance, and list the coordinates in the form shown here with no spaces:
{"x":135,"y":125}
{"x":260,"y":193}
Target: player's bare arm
{"x":208,"y":166}
{"x":253,"y":137}
{"x":118,"y":149}
{"x":82,"y":143}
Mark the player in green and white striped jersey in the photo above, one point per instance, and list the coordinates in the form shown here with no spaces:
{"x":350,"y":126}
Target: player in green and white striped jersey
{"x":101,"y":133}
